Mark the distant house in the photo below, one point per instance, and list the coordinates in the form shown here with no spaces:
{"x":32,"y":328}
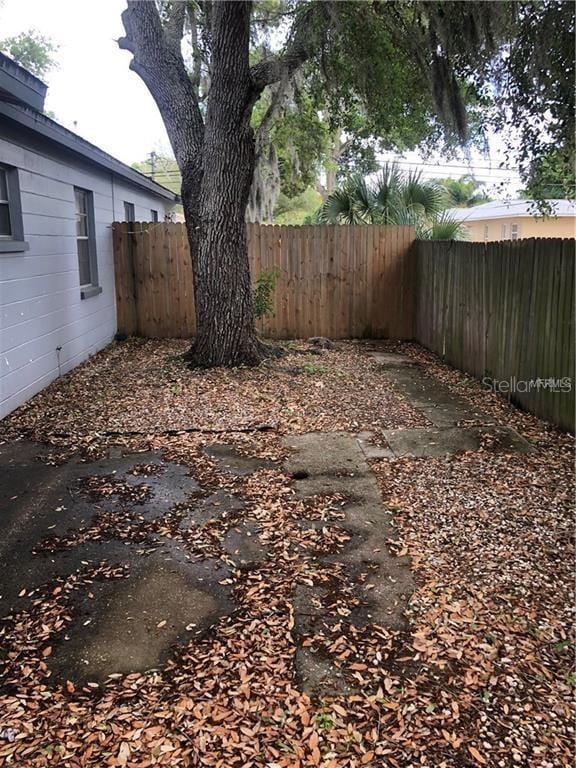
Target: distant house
{"x":59,"y":195}
{"x":517,"y":219}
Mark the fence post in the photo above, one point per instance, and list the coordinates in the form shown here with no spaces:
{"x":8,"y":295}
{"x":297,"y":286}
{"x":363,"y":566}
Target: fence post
{"x":124,"y":279}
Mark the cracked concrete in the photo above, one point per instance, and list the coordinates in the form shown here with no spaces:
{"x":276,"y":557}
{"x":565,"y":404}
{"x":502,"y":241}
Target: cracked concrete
{"x":380,"y":582}
{"x":217,"y":506}
{"x":131,"y":624}
{"x":121,"y":625}
{"x":232,"y":462}
{"x":243,"y":544}
{"x":428,"y":395}
{"x":452,"y":440}
{"x":444,"y":410}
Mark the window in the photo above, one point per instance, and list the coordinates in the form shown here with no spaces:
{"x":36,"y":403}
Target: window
{"x":503,"y":231}
{"x":86,"y":243}
{"x":514,"y":231}
{"x":5,"y":223}
{"x":11,"y":229}
{"x":485,"y":233}
{"x":154,"y":215}
{"x":129,"y":212}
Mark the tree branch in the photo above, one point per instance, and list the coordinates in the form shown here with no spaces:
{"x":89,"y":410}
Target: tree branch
{"x":281,"y":94}
{"x":158,"y":60}
{"x":308,"y":36}
{"x":276,"y":68}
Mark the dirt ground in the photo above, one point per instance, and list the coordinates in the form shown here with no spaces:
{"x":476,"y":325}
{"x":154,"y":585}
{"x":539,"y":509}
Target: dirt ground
{"x":208,"y":569}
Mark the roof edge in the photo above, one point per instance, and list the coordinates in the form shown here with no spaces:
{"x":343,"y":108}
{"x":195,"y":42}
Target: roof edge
{"x":50,"y":129}
{"x":510,"y":209}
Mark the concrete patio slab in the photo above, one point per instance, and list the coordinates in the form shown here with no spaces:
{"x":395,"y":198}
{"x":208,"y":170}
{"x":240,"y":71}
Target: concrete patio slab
{"x":217,"y":506}
{"x":131,"y":624}
{"x":428,"y":395}
{"x":231,"y":461}
{"x":122,"y":625}
{"x":453,"y":440}
{"x":380,"y":582}
{"x":243,"y":544}
{"x":370,"y":449}
{"x":391,"y":358}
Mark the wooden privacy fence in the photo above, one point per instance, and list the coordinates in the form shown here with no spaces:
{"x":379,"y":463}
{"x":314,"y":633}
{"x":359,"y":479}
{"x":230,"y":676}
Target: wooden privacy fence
{"x":336,"y":281}
{"x":504,"y":311}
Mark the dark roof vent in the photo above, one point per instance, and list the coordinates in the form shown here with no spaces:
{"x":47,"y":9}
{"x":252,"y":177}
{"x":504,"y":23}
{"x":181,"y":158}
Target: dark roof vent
{"x":18,"y":86}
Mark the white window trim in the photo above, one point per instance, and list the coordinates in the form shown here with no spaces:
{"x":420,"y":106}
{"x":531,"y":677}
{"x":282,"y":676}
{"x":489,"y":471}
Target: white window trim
{"x":92,"y":288}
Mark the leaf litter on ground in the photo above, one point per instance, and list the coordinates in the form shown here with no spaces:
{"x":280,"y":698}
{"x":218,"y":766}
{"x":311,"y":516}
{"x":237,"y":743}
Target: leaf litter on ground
{"x":481,"y":676}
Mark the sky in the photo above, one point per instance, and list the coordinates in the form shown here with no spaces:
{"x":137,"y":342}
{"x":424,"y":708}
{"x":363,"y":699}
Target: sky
{"x":94,"y":93}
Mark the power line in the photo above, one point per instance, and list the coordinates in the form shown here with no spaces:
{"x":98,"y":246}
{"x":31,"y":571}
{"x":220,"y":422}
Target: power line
{"x":475,"y":171}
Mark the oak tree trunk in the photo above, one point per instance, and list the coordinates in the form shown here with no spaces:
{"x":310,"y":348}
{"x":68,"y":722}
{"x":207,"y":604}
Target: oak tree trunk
{"x":225,"y":331}
{"x":216,"y":157}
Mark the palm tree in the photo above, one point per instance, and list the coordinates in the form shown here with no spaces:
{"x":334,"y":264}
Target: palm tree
{"x":442,"y":227}
{"x":464,"y":192}
{"x":393,"y":197}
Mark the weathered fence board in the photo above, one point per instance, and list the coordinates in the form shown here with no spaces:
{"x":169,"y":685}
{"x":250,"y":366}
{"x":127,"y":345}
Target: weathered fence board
{"x":504,"y":311}
{"x":341,"y":282}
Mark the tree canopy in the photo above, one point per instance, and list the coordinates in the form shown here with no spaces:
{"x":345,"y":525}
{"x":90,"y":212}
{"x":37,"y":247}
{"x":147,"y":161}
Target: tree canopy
{"x":401,"y":75}
{"x":535,"y":94}
{"x":33,"y":51}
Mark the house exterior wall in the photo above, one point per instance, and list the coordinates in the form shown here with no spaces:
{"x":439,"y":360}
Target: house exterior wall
{"x":41,"y":308}
{"x":528,"y":226}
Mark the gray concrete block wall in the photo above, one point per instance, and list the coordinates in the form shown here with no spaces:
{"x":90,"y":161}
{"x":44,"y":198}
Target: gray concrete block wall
{"x":40,"y":304}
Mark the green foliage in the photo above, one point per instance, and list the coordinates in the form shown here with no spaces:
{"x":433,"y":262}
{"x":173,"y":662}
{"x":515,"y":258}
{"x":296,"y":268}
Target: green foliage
{"x":373,"y":77}
{"x":263,"y":292}
{"x":301,"y":139}
{"x":536,"y":96}
{"x":403,"y":74}
{"x":394,"y":197}
{"x":324,"y":721}
{"x":32,"y":51}
{"x":366,"y":84}
{"x":464,"y":192}
{"x":358,"y":156}
{"x":166,"y":171}
{"x":551,"y":176}
{"x":313,"y":368}
{"x":297,"y":210}
{"x":441,"y":227}
{"x":562,"y":645}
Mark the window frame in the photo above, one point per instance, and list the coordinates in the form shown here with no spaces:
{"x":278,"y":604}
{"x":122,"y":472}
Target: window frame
{"x":129,"y":211}
{"x":514,"y":231}
{"x":14,"y":242}
{"x":92,"y":288}
{"x":154,"y":215}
